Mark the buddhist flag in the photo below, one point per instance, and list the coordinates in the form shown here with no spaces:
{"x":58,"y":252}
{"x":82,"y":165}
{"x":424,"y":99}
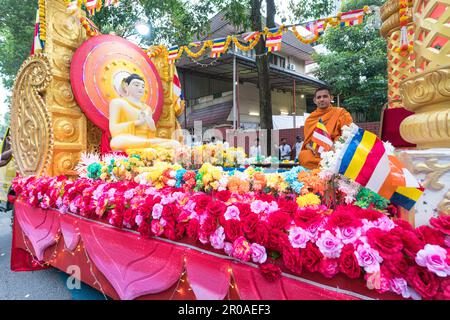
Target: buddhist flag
{"x":352,"y":18}
{"x":366,"y":161}
{"x":249,"y":36}
{"x":321,"y":138}
{"x":218,"y":47}
{"x":177,"y":88}
{"x":38,"y":44}
{"x":91,"y":5}
{"x":273,"y":40}
{"x":173,"y":53}
{"x":319,"y":27}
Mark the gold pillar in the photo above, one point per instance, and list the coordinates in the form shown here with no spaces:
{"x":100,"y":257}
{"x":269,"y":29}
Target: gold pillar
{"x":48,"y":127}
{"x":400,"y":64}
{"x":428,"y":92}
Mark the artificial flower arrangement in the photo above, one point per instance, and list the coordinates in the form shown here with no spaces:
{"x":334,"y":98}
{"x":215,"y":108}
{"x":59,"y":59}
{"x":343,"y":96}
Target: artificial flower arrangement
{"x":276,"y":232}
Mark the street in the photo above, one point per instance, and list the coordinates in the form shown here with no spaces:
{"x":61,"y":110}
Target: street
{"x":47,"y":284}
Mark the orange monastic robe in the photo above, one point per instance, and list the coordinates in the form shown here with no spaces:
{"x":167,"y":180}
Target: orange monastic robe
{"x":334,"y":119}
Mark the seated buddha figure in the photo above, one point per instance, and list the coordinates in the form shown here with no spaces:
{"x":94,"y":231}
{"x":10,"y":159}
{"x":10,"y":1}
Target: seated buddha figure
{"x":130,"y":121}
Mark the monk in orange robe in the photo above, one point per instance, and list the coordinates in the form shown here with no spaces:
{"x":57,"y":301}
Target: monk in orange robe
{"x":334,"y":119}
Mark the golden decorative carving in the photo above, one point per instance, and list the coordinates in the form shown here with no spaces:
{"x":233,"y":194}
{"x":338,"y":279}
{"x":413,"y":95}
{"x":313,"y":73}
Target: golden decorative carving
{"x":32,"y":133}
{"x":66,"y":26}
{"x":390,"y":24}
{"x":388,"y":8}
{"x":433,"y":171}
{"x":65,"y":163}
{"x":62,"y":94}
{"x":65,"y":131}
{"x":93,"y":137}
{"x":444,"y":205}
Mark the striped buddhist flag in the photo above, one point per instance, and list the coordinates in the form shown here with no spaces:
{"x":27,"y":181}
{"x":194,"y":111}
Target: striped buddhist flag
{"x":38,"y":44}
{"x":173,"y":53}
{"x":365,"y":160}
{"x":218,"y":47}
{"x":91,"y":5}
{"x":273,"y":40}
{"x":321,"y":138}
{"x":319,"y":27}
{"x":352,"y":18}
{"x":249,"y":36}
{"x":177,"y":88}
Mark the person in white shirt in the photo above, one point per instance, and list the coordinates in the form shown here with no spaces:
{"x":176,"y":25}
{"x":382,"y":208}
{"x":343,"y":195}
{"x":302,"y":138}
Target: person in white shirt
{"x":285,"y":150}
{"x":255,"y":150}
{"x":298,"y":147}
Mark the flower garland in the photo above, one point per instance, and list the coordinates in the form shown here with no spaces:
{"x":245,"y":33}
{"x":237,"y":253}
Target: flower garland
{"x":199,"y":53}
{"x":274,"y":232}
{"x":302,"y":39}
{"x":42,"y":21}
{"x":405,"y":19}
{"x":250,"y":46}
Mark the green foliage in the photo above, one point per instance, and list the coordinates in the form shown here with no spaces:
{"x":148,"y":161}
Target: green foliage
{"x":311,"y":9}
{"x":355,"y":65}
{"x":367,"y":198}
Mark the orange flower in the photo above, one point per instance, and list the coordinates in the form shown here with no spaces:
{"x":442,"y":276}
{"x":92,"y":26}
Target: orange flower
{"x":259,"y":181}
{"x":237,"y":185}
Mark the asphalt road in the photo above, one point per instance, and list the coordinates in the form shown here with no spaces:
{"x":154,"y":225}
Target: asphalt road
{"x":46,"y":284}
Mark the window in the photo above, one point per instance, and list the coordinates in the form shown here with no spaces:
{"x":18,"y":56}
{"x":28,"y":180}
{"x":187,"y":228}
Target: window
{"x":277,"y":60}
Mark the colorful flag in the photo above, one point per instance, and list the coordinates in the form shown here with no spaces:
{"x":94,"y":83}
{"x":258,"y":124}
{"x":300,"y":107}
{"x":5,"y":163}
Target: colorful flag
{"x":366,"y":161}
{"x":352,"y":18}
{"x":177,"y":88}
{"x":273,"y":40}
{"x":38,"y":44}
{"x":91,"y":5}
{"x":111,"y":2}
{"x":218,"y":47}
{"x":319,"y":27}
{"x":72,"y":6}
{"x":173,"y":53}
{"x":249,"y":36}
{"x":321,"y":138}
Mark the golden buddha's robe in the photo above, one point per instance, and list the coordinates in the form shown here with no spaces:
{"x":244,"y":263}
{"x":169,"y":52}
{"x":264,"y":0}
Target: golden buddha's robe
{"x":334,"y":119}
{"x":126,"y":134}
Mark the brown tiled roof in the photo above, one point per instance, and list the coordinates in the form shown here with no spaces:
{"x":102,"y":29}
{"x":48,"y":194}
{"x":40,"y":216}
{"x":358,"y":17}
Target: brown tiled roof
{"x":212,"y":115}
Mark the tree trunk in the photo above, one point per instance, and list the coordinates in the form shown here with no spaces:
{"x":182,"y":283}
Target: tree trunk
{"x":262,"y":66}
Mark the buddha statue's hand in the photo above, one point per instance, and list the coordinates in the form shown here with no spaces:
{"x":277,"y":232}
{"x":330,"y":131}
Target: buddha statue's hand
{"x":141,"y":119}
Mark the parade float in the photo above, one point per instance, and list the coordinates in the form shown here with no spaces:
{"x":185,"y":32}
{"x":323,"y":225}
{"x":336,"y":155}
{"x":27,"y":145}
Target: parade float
{"x":166,"y":221}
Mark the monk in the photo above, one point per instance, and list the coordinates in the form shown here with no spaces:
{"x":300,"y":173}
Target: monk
{"x":334,"y":119}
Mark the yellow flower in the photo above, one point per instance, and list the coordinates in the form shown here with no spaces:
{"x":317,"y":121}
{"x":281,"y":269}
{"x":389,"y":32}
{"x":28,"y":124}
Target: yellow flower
{"x":309,"y":199}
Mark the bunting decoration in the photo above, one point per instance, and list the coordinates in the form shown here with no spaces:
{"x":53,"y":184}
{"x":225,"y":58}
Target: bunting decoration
{"x":273,"y":39}
{"x":177,"y":89}
{"x":219,"y":46}
{"x":38,"y":44}
{"x":91,"y":6}
{"x":249,"y":36}
{"x":111,"y":2}
{"x":173,"y":53}
{"x":321,"y":138}
{"x":352,"y":18}
{"x":365,"y":160}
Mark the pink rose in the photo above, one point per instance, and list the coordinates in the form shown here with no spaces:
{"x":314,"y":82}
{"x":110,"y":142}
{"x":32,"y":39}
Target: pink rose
{"x":433,"y":257}
{"x":329,"y":245}
{"x":259,"y":254}
{"x":348,"y":234}
{"x":241,"y":249}
{"x":329,"y":267}
{"x":259,"y":206}
{"x":157,"y":211}
{"x":232,"y":212}
{"x":368,"y":258}
{"x":157,"y":228}
{"x":400,"y":286}
{"x":228,"y":248}
{"x":217,"y":238}
{"x":298,"y":237}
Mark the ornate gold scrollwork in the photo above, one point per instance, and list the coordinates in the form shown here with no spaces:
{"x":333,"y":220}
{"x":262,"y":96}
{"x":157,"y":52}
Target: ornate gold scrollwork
{"x":32,"y":132}
{"x":444,"y":205}
{"x":433,"y":171}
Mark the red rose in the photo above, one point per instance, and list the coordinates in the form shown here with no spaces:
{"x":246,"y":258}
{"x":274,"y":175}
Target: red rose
{"x":144,"y":228}
{"x":403,"y":224}
{"x":329,"y":267}
{"x":180,"y":230}
{"x":342,"y":218}
{"x":423,"y":281}
{"x":244,"y":209}
{"x":216,"y":208}
{"x":368,"y":214}
{"x":249,"y":226}
{"x":444,"y":291}
{"x":398,"y":265}
{"x":202,"y":202}
{"x":169,"y":232}
{"x":170,"y":212}
{"x":192,"y":228}
{"x":288,"y":207}
{"x":384,"y":242}
{"x":348,"y":264}
{"x":262,"y":234}
{"x":223,"y":195}
{"x":442,"y":224}
{"x":430,"y":235}
{"x":311,"y":257}
{"x":266,"y":197}
{"x":292,"y":259}
{"x":411,"y":243}
{"x":277,"y":240}
{"x":306,"y":217}
{"x":270,"y":271}
{"x":232,"y":229}
{"x":279,"y":220}
{"x":209,"y":226}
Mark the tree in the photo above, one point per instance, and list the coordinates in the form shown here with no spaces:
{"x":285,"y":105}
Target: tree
{"x":355,"y":65}
{"x":311,"y":9}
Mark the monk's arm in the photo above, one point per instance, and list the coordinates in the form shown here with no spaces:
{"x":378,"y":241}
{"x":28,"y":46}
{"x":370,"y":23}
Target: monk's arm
{"x":115,"y":126}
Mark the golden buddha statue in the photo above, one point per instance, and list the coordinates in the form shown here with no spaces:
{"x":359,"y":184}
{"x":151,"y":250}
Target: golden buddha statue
{"x":130,"y":121}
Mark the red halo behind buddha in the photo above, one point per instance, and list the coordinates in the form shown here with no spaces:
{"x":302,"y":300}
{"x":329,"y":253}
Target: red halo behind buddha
{"x":98,"y":67}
